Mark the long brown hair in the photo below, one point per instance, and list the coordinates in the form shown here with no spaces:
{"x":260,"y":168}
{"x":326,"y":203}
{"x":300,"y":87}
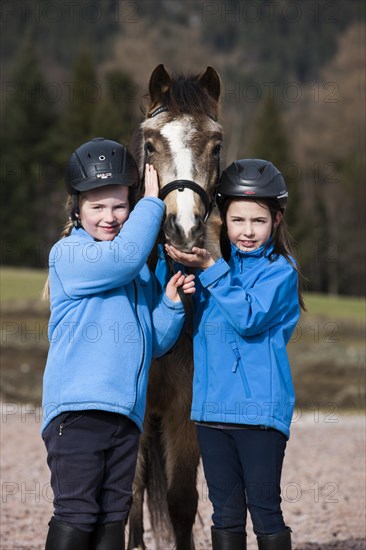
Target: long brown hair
{"x":70,"y":204}
{"x":281,"y":239}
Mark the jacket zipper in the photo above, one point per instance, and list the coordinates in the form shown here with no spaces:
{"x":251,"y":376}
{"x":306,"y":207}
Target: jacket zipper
{"x":235,"y":366}
{"x":143,"y":343}
{"x":237,"y":359}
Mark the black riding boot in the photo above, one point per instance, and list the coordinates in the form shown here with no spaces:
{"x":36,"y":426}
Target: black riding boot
{"x":224,"y":540}
{"x":110,"y":536}
{"x":63,"y":536}
{"x":278,"y":541}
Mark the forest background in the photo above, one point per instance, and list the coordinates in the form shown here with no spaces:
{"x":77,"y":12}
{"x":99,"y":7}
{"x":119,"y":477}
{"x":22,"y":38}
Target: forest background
{"x":293,"y":92}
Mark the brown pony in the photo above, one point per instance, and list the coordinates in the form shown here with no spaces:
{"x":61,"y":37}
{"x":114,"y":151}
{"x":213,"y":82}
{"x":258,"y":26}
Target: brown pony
{"x":182,"y":138}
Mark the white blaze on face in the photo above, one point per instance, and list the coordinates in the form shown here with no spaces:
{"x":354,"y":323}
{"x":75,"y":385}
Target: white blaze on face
{"x":178,"y":134}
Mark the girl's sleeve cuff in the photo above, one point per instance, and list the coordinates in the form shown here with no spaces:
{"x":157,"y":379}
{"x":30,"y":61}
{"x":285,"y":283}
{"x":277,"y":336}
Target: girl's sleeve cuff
{"x":154,"y":200}
{"x":172,"y":305}
{"x":210,"y":275}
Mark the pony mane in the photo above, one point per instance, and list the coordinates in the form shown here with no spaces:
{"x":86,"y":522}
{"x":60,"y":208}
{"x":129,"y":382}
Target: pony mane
{"x":188,"y":97}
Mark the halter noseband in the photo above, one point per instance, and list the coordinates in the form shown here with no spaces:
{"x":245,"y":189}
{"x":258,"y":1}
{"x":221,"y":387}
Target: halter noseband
{"x":180,"y":185}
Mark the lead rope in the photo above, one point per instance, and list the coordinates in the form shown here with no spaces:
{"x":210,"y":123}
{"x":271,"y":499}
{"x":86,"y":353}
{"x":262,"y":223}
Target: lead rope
{"x":187,"y":302}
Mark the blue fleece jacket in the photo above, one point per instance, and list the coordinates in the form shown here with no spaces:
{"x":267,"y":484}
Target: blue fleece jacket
{"x":108,"y":318}
{"x":245,"y":313}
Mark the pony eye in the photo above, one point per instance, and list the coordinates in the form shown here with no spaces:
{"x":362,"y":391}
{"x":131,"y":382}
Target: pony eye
{"x":216,"y":151}
{"x":150,"y":147}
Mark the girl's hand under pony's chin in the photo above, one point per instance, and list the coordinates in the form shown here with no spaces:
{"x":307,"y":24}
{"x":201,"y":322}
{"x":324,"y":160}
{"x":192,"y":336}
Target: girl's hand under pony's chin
{"x":200,"y":258}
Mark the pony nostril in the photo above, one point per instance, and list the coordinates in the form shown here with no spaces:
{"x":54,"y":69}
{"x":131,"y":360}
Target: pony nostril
{"x":197,"y":232}
{"x":177,"y":236}
{"x":199,"y":227}
{"x":199,"y":224}
{"x":172,"y":227}
{"x":170,"y":220}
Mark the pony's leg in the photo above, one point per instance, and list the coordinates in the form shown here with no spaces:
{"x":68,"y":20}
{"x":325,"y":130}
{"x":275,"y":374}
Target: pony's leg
{"x":182,"y":458}
{"x":136,"y":525}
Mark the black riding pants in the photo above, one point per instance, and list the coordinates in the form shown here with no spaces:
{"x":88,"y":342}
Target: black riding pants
{"x":243,"y":471}
{"x":92,"y":457}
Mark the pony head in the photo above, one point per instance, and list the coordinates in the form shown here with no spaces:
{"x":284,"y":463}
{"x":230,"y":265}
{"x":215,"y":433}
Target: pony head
{"x":181,"y":137}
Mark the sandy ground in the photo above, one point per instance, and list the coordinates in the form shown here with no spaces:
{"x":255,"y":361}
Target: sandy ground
{"x":323,"y":484}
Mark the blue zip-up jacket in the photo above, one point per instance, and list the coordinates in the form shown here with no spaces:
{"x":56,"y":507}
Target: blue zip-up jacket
{"x":108,"y":318}
{"x":245,"y":313}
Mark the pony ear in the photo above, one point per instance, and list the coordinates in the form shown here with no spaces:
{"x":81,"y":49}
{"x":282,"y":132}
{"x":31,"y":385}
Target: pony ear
{"x":210,"y":81}
{"x":159,"y":84}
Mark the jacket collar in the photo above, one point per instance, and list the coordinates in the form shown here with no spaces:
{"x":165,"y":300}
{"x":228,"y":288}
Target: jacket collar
{"x":80,"y":232}
{"x":244,"y":260}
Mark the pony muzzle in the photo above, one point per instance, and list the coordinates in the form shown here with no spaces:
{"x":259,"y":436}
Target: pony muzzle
{"x":182,"y":233}
{"x":178,"y":237}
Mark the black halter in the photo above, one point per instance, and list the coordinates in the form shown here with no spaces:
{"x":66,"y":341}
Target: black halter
{"x":181,"y":185}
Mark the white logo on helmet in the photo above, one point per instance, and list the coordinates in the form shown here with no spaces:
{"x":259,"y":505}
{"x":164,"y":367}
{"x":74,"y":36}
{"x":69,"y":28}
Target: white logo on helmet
{"x":104,"y":175}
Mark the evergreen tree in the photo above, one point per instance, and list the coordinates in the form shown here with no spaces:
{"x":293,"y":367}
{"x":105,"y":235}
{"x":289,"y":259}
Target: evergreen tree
{"x":84,"y":94}
{"x":117,"y":118}
{"x":270,"y":142}
{"x":346,"y":258}
{"x":25,"y":157}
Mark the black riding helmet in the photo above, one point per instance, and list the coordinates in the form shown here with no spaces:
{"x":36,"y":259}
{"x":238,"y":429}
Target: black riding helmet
{"x":252,"y":178}
{"x":100,"y":162}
